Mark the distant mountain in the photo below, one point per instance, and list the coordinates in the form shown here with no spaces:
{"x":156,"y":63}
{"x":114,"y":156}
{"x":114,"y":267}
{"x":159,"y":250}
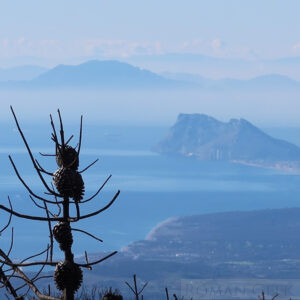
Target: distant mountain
{"x":21,"y":73}
{"x":205,"y":138}
{"x":105,"y":74}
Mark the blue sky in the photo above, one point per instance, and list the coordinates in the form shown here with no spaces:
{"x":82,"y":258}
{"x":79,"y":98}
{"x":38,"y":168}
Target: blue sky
{"x":60,"y":30}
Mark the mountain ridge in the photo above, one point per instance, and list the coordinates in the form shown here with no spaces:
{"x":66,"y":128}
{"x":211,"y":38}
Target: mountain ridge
{"x":117,"y":74}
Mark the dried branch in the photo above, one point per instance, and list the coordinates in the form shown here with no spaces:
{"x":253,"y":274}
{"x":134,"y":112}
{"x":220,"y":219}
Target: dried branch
{"x":24,"y":277}
{"x":70,"y":138}
{"x":31,"y":155}
{"x":97,"y":261}
{"x":42,"y":169}
{"x":50,"y":232}
{"x":167,"y":293}
{"x":8,"y":223}
{"x":27,"y":187}
{"x":134,"y":289}
{"x":89,"y":166}
{"x":11,"y":211}
{"x":35,"y":263}
{"x":8,"y":285}
{"x":99,"y":190}
{"x":80,"y":136}
{"x":41,"y":207}
{"x":87,"y":233}
{"x":46,"y":154}
{"x":95,"y":212}
{"x":62,"y":135}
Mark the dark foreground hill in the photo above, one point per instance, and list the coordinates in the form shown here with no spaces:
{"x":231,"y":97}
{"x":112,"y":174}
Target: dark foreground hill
{"x":256,"y":244}
{"x":205,"y":138}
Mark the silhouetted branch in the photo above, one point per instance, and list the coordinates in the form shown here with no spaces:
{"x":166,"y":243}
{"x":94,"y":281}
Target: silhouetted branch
{"x":70,"y":138}
{"x":27,"y":187}
{"x":62,"y":135}
{"x":89,"y":166}
{"x":24,"y":277}
{"x":80,"y":136}
{"x":87,"y":233}
{"x":50,"y":231}
{"x":46,"y":154}
{"x":42,"y":169}
{"x":96,"y":212}
{"x":41,"y":207}
{"x":99,"y":190}
{"x":97,"y":261}
{"x":8,"y":223}
{"x":167,"y":293}
{"x":31,"y":155}
{"x":11,"y":211}
{"x":134,"y":289}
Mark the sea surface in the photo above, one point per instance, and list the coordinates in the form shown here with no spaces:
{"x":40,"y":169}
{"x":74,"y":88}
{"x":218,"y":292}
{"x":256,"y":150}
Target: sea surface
{"x":153,"y":187}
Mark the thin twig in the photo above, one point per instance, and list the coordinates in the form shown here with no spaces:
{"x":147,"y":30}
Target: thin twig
{"x":8,"y":223}
{"x":89,"y":166}
{"x":87,"y":233}
{"x":30,"y":154}
{"x":97,"y":261}
{"x":99,"y":190}
{"x":27,"y":187}
{"x":95,"y":212}
{"x":80,"y":136}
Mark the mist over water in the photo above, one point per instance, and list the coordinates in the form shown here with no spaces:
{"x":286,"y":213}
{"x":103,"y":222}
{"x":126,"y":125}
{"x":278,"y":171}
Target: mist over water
{"x":152,"y":107}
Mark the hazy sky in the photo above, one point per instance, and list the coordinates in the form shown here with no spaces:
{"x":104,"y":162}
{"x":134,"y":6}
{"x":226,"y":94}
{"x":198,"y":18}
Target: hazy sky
{"x":58,"y":30}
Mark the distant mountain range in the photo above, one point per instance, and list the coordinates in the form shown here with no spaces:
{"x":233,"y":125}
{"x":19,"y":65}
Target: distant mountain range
{"x":97,"y":74}
{"x":205,"y":138}
{"x":113,"y":74}
{"x":218,"y":67}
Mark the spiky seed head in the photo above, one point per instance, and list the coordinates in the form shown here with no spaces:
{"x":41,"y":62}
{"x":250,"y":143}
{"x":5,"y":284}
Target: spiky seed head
{"x":69,"y":183}
{"x":63,"y":235}
{"x":67,"y":275}
{"x":67,"y":157}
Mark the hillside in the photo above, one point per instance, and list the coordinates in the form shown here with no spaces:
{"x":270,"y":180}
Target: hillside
{"x":205,"y":138}
{"x":253,"y":244}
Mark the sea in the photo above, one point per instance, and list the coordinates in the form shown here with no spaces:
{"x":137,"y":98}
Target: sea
{"x":153,"y":187}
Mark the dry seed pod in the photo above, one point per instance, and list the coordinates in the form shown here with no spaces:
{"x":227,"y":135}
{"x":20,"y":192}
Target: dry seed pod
{"x":69,"y":183}
{"x":67,"y":275}
{"x":63,"y":235}
{"x":67,"y":157}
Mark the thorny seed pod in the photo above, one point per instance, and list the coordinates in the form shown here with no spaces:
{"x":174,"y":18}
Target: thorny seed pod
{"x":67,"y":157}
{"x":69,"y":183}
{"x":67,"y":275}
{"x":63,"y":235}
